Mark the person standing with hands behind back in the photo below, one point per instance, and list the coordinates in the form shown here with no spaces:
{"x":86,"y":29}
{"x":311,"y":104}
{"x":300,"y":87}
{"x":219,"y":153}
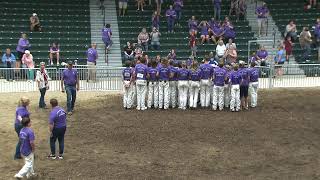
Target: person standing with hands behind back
{"x":70,"y":81}
{"x":43,"y":85}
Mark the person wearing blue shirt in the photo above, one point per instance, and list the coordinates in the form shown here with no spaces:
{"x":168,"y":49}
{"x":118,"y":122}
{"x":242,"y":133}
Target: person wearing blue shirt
{"x":279,"y":60}
{"x":8,"y":59}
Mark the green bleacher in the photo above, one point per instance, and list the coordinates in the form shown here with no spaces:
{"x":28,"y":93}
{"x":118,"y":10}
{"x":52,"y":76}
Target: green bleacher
{"x":66,"y":22}
{"x":282,"y":14}
{"x":131,"y":25}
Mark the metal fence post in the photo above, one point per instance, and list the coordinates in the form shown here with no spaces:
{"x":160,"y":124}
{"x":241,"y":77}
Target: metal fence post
{"x":271,"y":73}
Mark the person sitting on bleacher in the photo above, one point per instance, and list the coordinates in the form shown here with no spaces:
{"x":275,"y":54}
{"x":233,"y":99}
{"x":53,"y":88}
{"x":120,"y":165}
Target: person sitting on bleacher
{"x":143,"y":39}
{"x":193,"y":25}
{"x":128,"y":52}
{"x":54,"y":53}
{"x":8,"y":59}
{"x":291,"y":30}
{"x":35,"y":23}
{"x":218,"y":32}
{"x":229,"y":32}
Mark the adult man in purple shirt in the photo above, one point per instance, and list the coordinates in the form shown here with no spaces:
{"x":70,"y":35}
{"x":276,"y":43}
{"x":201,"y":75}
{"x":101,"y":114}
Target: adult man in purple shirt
{"x":244,"y":85}
{"x":106,"y":36}
{"x":57,"y":128}
{"x":262,"y":13}
{"x":219,"y":78}
{"x":27,"y":138}
{"x":164,"y":73}
{"x":178,"y":4}
{"x":70,"y":81}
{"x":92,"y":56}
{"x":317,"y":36}
{"x":140,"y":74}
{"x":217,"y":9}
{"x":205,"y":83}
{"x":235,"y":79}
{"x":171,"y":16}
{"x":253,"y":85}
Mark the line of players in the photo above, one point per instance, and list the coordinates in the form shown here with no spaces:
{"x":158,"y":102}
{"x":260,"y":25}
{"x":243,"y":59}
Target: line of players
{"x":167,"y":83}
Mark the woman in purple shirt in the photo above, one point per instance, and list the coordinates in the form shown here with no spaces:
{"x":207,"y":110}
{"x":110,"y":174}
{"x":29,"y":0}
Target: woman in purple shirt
{"x":204,"y":31}
{"x":178,"y":4}
{"x":22,"y":46}
{"x":106,"y":36}
{"x":193,"y":25}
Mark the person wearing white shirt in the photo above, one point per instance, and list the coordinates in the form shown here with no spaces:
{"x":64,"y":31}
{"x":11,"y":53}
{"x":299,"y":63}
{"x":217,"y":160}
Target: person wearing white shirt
{"x":43,"y":85}
{"x":220,"y":50}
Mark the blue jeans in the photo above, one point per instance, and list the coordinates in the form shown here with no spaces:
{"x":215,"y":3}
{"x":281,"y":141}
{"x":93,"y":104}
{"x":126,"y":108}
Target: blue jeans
{"x":306,"y":51}
{"x":42,"y":104}
{"x":217,"y":12}
{"x":170,"y":24}
{"x":71,"y":97}
{"x":178,"y":16}
{"x":18,"y":128}
{"x":57,"y":133}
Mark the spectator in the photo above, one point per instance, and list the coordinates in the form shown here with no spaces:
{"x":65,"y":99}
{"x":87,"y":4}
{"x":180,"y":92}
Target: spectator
{"x":54,"y":53}
{"x":291,"y":30}
{"x":231,"y":43}
{"x":8,"y":59}
{"x":231,"y":55}
{"x":172,"y":55}
{"x":279,"y":60}
{"x":218,"y":33}
{"x":106,"y":36}
{"x":23,"y":45}
{"x":27,"y":62}
{"x":262,"y":13}
{"x":155,"y":39}
{"x":143,"y":39}
{"x":128,"y":52}
{"x":193,"y":25}
{"x":140,"y":4}
{"x":317,"y":36}
{"x":212,"y":23}
{"x":204,"y":31}
{"x":229,"y":32}
{"x":42,"y":79}
{"x":313,"y":3}
{"x":92,"y":56}
{"x":253,"y":58}
{"x":212,"y":60}
{"x":288,"y":47}
{"x":262,"y":55}
{"x":158,"y":5}
{"x":305,"y":42}
{"x":217,"y":9}
{"x":238,"y":8}
{"x":171,"y":16}
{"x":101,"y":4}
{"x":35,"y":23}
{"x":138,"y":51}
{"x":156,"y":20}
{"x":178,"y":4}
{"x":123,"y":4}
{"x":193,"y":44}
{"x":220,"y":50}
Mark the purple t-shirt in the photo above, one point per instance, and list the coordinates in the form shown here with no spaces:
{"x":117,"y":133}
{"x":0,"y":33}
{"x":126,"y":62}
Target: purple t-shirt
{"x":171,"y":14}
{"x":183,"y":74}
{"x":164,"y":73}
{"x":217,"y":3}
{"x":229,"y":32}
{"x":174,"y":71}
{"x":195,"y":75}
{"x":317,"y":31}
{"x":58,"y":117}
{"x":252,"y":59}
{"x":105,"y":33}
{"x":204,"y":30}
{"x":206,"y":71}
{"x":217,"y":30}
{"x":177,"y":5}
{"x":70,"y":77}
{"x":254,"y":74}
{"x":23,"y":45}
{"x":244,"y":76}
{"x":263,"y":10}
{"x":213,"y":24}
{"x":141,"y":71}
{"x":21,"y":112}
{"x":92,"y":55}
{"x":235,"y":78}
{"x":153,"y":73}
{"x":262,"y":54}
{"x":193,"y":24}
{"x":26,"y":137}
{"x":127,"y":73}
{"x":219,"y":76}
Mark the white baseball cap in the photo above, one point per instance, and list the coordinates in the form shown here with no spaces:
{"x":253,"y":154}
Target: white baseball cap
{"x":242,"y":62}
{"x":34,"y":14}
{"x":27,"y":52}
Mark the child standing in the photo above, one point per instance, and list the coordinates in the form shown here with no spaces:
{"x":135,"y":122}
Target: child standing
{"x":153,"y":93}
{"x":164,"y":74}
{"x":183,"y":77}
{"x":288,"y":47}
{"x":235,"y":79}
{"x":195,"y":76}
{"x":127,"y":75}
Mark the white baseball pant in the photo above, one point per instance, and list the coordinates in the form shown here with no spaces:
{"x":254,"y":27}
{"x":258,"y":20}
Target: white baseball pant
{"x":235,"y":98}
{"x":173,"y":93}
{"x":227,"y":89}
{"x":194,"y":93}
{"x":153,"y":95}
{"x":133,"y":95}
{"x":218,"y":97}
{"x":183,"y":93}
{"x":127,"y":99}
{"x":205,"y":92}
{"x":254,"y":93}
{"x":141,"y":86}
{"x":27,"y":169}
{"x":164,"y":94}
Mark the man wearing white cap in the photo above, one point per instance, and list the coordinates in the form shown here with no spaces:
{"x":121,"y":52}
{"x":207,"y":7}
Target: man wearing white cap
{"x":35,"y":23}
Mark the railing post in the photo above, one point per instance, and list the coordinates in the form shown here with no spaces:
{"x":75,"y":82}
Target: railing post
{"x":271,"y":73}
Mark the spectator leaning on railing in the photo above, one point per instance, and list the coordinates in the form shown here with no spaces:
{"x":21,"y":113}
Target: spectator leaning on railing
{"x":27,"y":62}
{"x":8,"y":59}
{"x":305,"y":42}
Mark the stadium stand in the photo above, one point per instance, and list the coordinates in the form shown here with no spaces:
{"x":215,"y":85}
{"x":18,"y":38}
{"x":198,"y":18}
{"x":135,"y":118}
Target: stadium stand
{"x":66,"y":22}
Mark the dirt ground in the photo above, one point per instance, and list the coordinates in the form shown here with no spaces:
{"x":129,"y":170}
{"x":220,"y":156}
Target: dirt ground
{"x":280,"y":139}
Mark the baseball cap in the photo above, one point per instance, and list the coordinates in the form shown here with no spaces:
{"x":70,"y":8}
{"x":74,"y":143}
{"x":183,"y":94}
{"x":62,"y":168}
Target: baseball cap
{"x":70,"y":63}
{"x":34,"y":14}
{"x":242,"y":62}
{"x":27,"y":52}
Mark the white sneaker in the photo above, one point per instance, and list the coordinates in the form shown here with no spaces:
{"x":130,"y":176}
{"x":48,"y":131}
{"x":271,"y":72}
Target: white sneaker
{"x":18,"y":176}
{"x":144,"y":108}
{"x":138,"y":108}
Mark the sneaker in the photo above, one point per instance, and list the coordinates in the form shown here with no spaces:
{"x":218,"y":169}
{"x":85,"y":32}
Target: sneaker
{"x":52,"y":156}
{"x":69,"y":113}
{"x":18,"y":176}
{"x":60,"y":156}
{"x":30,"y":175}
{"x":138,"y":108}
{"x":144,"y":108}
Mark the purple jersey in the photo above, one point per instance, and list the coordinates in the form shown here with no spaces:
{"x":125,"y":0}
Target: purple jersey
{"x":229,"y":32}
{"x":183,"y":74}
{"x":23,"y":45}
{"x":217,"y":3}
{"x":262,"y":11}
{"x":244,"y":76}
{"x":171,"y":14}
{"x":219,"y":76}
{"x":195,"y":75}
{"x":106,"y":33}
{"x":178,"y":5}
{"x":212,"y":24}
{"x":252,"y":59}
{"x":26,"y":138}
{"x":70,"y":77}
{"x":235,"y":78}
{"x":204,"y":30}
{"x":193,"y":24}
{"x":262,"y":54}
{"x":92,"y":55}
{"x":141,"y":71}
{"x":217,"y":30}
{"x":174,"y":71}
{"x":206,"y":71}
{"x":317,"y":31}
{"x":164,"y":73}
{"x":152,"y":73}
{"x":127,"y":73}
{"x":254,"y":74}
{"x":58,"y":117}
{"x":21,"y":112}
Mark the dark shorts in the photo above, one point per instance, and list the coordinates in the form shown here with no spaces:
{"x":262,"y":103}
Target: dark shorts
{"x":244,"y":91}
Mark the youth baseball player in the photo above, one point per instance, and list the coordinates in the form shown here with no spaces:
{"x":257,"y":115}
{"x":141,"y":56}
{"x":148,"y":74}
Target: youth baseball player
{"x":235,"y":79}
{"x":227,"y":87}
{"x":127,"y":75}
{"x":173,"y":83}
{"x":219,"y":77}
{"x":141,"y":83}
{"x":195,"y":76}
{"x":244,"y":85}
{"x":205,"y":83}
{"x":153,"y":93}
{"x":183,"y":85}
{"x":253,"y":85}
{"x":164,"y":75}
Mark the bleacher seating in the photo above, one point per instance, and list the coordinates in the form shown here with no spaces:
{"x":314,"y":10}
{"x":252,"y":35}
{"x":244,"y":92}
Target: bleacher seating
{"x":131,"y":25}
{"x":66,"y":22}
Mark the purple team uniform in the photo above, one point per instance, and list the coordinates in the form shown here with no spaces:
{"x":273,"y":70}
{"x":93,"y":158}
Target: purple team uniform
{"x":57,"y":118}
{"x":219,"y":76}
{"x":235,"y":78}
{"x":152,"y":74}
{"x":106,"y":36}
{"x":171,"y":16}
{"x":183,"y":74}
{"x":195,"y":75}
{"x":164,"y":73}
{"x":141,"y":72}
{"x":206,"y":71}
{"x":92,"y":55}
{"x":127,"y":73}
{"x":21,"y":112}
{"x":26,"y":137}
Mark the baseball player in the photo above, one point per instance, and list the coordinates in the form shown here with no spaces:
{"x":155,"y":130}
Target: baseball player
{"x":173,"y":83}
{"x":195,"y":76}
{"x":153,"y":93}
{"x":183,"y":85}
{"x":205,"y":83}
{"x":219,"y":78}
{"x":253,"y":85}
{"x":244,"y":85}
{"x":127,"y":75}
{"x":140,"y":74}
{"x":227,"y":87}
{"x":164,"y":74}
{"x":235,"y":79}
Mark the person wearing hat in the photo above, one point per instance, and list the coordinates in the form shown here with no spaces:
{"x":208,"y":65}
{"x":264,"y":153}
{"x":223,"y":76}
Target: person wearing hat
{"x":27,"y":62}
{"x":35,"y":23}
{"x":70,"y":84}
{"x":43,"y":85}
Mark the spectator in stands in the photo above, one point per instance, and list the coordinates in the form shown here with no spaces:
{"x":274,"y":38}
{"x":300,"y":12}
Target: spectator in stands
{"x":291,"y":30}
{"x":217,"y":9}
{"x":140,"y":4}
{"x":193,"y":44}
{"x":218,"y":33}
{"x":313,"y":3}
{"x":262,"y":13}
{"x":138,"y":51}
{"x":27,"y":62}
{"x":92,"y":56}
{"x":106,"y":36}
{"x":158,"y":5}
{"x":128,"y":52}
{"x":101,"y":4}
{"x":262,"y":56}
{"x":317,"y":36}
{"x":204,"y":31}
{"x":123,"y":4}
{"x":42,"y":79}
{"x":231,"y":43}
{"x":143,"y":39}
{"x":253,"y":59}
{"x":156,"y":20}
{"x":193,"y":25}
{"x":54,"y":53}
{"x":279,"y":60}
{"x":155,"y":39}
{"x":238,"y":7}
{"x":231,"y":55}
{"x":171,"y":16}
{"x":35,"y":23}
{"x":178,"y":4}
{"x":305,"y":42}
{"x":288,"y":47}
{"x":8,"y":59}
{"x":172,"y":55}
{"x":220,"y":50}
{"x":23,"y":45}
{"x":229,"y":32}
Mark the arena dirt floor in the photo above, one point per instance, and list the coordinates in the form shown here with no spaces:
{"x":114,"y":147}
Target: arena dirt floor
{"x":278,"y":140}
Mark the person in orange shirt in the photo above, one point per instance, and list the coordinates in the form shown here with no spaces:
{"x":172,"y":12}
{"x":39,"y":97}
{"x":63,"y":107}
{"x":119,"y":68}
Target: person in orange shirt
{"x":27,"y":62}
